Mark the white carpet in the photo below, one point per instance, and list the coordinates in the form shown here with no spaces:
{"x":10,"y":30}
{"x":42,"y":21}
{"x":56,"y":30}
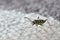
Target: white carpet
{"x":13,"y":26}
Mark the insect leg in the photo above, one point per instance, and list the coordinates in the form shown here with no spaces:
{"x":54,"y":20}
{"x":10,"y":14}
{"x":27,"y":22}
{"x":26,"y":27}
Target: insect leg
{"x":49,"y":23}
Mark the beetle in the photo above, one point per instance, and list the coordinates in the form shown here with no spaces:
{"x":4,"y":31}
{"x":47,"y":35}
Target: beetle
{"x":37,"y":21}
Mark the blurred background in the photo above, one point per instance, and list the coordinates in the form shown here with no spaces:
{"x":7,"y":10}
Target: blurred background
{"x":42,"y":7}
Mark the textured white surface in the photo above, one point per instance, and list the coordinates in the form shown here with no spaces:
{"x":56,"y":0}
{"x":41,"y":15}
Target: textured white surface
{"x":13,"y":26}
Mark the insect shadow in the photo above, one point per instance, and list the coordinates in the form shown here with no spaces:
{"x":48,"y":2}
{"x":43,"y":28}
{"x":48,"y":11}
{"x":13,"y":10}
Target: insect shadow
{"x":37,"y":21}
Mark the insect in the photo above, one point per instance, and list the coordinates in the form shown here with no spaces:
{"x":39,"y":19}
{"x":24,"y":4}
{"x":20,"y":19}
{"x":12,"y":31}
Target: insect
{"x":37,"y":21}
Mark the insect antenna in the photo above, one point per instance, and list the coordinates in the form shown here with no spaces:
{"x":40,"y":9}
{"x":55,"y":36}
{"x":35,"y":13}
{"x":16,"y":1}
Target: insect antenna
{"x":28,"y":18}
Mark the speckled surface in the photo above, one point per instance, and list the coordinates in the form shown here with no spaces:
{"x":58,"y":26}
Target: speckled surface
{"x":42,"y":7}
{"x":13,"y":26}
